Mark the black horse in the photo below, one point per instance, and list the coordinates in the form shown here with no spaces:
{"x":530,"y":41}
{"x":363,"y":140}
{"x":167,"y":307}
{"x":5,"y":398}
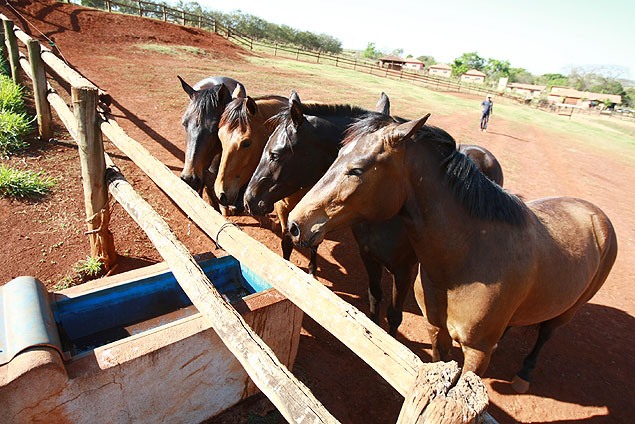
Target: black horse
{"x":208,"y":99}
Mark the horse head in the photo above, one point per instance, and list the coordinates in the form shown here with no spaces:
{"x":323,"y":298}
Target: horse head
{"x":201,"y":127}
{"x":363,"y":175}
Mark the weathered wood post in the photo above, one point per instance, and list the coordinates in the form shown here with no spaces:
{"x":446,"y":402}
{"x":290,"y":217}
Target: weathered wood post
{"x":109,"y":6}
{"x":297,"y":55}
{"x":12,"y":48}
{"x":275,"y":50}
{"x":337,"y":59}
{"x":91,"y":156}
{"x":42,"y":106}
{"x":140,"y":8}
{"x":165,"y":14}
{"x":355,"y":64}
{"x":200,"y":21}
{"x":183,"y":18}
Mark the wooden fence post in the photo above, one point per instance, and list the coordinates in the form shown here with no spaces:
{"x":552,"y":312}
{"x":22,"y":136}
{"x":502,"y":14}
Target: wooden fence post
{"x":91,"y":156}
{"x":165,"y":14}
{"x":318,"y":57}
{"x":275,"y":50}
{"x":140,"y":9}
{"x":12,"y":47}
{"x":42,"y":106}
{"x":3,"y":46}
{"x":183,"y":17}
{"x":337,"y":59}
{"x":297,"y":55}
{"x":355,"y":64}
{"x":200,"y":21}
{"x":109,"y":6}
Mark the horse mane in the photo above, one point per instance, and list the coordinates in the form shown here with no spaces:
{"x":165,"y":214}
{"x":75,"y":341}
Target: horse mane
{"x":321,"y":109}
{"x":483,"y":198}
{"x":202,"y":107}
{"x":236,"y":114}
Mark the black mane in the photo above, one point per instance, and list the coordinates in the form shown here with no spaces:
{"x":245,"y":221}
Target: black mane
{"x":203,"y":107}
{"x":318,"y":109}
{"x":483,"y":198}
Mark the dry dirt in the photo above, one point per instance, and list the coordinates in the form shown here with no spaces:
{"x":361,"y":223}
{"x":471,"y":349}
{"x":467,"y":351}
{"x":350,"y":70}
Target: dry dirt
{"x":585,"y":373}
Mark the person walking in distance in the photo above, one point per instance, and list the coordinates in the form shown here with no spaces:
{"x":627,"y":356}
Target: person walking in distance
{"x":487,"y":105}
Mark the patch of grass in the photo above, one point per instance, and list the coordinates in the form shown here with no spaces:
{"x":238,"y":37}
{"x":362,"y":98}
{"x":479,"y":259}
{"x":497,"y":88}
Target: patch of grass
{"x":22,"y":184}
{"x":173,"y":50}
{"x":88,"y":268}
{"x":4,"y":66}
{"x":13,"y":127}
{"x":10,"y":95}
{"x":64,"y":283}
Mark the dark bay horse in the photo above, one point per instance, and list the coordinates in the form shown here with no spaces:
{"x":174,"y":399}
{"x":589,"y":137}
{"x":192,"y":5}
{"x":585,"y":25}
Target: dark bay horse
{"x":297,"y":154}
{"x":488,"y":260}
{"x":243,"y":132}
{"x":208,"y":98}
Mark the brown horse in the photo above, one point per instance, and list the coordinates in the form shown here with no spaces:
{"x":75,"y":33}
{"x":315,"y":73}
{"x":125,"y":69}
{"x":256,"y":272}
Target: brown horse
{"x":488,"y":260}
{"x":243,"y":132}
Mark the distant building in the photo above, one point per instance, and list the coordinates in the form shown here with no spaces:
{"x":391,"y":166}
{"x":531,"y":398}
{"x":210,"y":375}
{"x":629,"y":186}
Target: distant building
{"x":570,"y":96}
{"x":440,"y":70}
{"x":474,"y":76}
{"x":415,"y":64}
{"x":527,"y":90}
{"x":392,"y":62}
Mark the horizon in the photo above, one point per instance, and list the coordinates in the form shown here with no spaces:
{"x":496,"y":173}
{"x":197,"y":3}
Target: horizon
{"x":543,"y":38}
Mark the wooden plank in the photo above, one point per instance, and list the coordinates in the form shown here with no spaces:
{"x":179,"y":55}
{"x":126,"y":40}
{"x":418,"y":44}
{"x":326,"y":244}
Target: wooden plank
{"x":292,"y":398}
{"x":91,"y":156}
{"x":38,"y":75}
{"x":392,"y":360}
{"x":12,"y":49}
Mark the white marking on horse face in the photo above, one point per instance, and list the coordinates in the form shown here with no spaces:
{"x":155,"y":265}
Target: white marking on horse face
{"x":348,"y":148}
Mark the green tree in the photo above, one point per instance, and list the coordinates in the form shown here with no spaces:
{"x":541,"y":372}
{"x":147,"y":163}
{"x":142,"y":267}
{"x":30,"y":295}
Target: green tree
{"x":549,"y":80}
{"x":466,"y":62}
{"x":371,"y":51}
{"x":427,"y":60}
{"x":520,"y":75}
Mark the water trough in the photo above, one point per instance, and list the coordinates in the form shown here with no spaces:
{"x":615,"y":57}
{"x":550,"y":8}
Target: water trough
{"x":132,"y":348}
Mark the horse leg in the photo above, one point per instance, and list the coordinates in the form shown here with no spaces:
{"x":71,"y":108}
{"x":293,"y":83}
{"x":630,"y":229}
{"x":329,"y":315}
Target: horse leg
{"x":439,"y":336}
{"x":402,"y":280}
{"x":476,"y":360}
{"x":521,"y":381}
{"x":313,"y":261}
{"x":374,"y":270}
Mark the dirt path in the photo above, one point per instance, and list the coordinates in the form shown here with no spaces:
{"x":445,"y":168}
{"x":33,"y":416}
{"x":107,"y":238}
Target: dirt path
{"x":584,"y":375}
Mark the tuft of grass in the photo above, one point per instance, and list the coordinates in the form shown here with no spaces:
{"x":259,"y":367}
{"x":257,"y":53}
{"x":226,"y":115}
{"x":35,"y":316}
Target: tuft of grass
{"x":88,"y":268}
{"x":172,"y":50}
{"x":64,"y":283}
{"x":13,"y":127}
{"x":11,"y":98}
{"x":4,"y":65}
{"x":17,"y":183}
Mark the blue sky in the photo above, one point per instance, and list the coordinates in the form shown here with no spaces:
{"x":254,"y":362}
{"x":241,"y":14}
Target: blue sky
{"x":540,"y":36}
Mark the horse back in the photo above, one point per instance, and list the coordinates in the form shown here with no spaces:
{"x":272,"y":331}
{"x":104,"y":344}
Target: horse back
{"x":210,"y":82}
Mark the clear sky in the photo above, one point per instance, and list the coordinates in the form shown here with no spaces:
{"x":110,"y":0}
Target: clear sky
{"x":539,"y":35}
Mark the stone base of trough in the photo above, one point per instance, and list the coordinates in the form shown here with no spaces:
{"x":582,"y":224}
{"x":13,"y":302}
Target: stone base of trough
{"x":180,"y":372}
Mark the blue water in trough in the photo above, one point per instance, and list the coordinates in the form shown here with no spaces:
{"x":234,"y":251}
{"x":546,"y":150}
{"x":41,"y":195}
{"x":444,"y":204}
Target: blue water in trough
{"x":115,"y":312}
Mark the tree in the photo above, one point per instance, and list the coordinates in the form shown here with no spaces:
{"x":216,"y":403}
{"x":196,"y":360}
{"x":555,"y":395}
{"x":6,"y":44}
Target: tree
{"x":397,"y":52}
{"x":466,"y":62}
{"x":427,"y":60}
{"x":520,"y":75}
{"x":371,"y":51}
{"x":549,"y":80}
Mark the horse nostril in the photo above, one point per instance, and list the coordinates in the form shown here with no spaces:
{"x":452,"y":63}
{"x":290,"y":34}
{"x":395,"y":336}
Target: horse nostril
{"x":294,"y":230}
{"x":223,"y":199}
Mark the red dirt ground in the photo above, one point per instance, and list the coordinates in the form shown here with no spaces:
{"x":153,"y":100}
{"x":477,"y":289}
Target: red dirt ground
{"x":585,"y":373}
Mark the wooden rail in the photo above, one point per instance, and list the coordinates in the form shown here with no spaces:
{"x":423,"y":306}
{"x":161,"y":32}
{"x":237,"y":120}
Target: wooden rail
{"x":393,"y":361}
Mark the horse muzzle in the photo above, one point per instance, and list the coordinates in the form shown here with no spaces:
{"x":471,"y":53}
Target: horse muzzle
{"x":310,"y":238}
{"x":194,"y":182}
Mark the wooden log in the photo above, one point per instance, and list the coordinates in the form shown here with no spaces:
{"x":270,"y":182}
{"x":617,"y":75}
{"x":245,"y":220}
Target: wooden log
{"x":91,"y":156}
{"x":12,"y":49}
{"x":292,"y":398}
{"x":392,"y":360}
{"x":441,"y":395}
{"x":38,"y":75}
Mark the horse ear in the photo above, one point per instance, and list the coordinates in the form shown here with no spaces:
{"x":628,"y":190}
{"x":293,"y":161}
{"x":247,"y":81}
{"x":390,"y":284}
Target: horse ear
{"x":294,"y":97}
{"x":401,"y":133}
{"x":239,"y":92}
{"x":223,"y":95}
{"x":296,"y":113}
{"x":252,"y":108}
{"x":189,"y":90}
{"x":383,"y":105}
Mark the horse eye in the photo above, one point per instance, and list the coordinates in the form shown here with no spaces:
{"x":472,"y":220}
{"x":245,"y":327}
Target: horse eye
{"x":355,"y":171}
{"x":245,"y":144}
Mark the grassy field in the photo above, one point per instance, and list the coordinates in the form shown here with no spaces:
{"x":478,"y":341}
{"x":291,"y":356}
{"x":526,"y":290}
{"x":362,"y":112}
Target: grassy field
{"x":412,"y":100}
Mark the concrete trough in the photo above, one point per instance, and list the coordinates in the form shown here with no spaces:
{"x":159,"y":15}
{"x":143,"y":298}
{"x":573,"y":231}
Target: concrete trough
{"x":132,"y":348}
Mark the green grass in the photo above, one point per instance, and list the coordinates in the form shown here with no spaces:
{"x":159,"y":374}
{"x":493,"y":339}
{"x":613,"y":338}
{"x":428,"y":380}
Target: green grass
{"x":11,"y":98}
{"x":88,"y":268}
{"x":13,"y":127}
{"x":22,"y":184}
{"x":173,"y":50}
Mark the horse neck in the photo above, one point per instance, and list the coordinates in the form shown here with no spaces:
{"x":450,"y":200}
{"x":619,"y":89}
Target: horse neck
{"x":439,"y":227}
{"x":329,"y":132}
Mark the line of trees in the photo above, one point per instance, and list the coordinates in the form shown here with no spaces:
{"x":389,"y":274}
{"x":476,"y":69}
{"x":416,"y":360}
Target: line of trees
{"x":245,"y":23}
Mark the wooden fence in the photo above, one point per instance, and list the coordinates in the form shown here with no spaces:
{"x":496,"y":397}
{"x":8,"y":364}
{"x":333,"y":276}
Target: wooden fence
{"x":431,"y":391}
{"x":181,"y":17}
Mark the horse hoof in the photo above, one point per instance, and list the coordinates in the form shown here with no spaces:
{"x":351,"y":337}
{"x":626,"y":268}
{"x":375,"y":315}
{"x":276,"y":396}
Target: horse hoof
{"x":519,"y":385}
